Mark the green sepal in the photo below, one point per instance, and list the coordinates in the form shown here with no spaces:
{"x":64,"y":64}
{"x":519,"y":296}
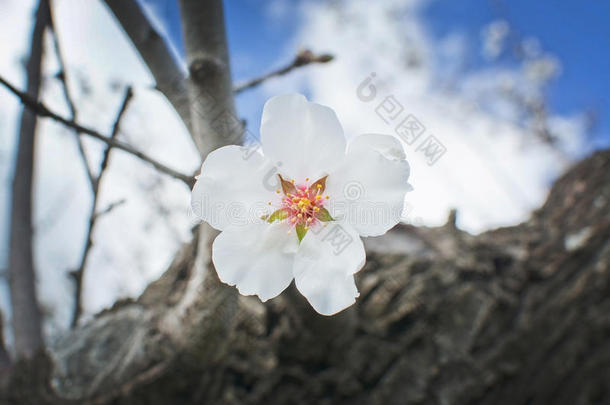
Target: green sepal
{"x":324,"y":216}
{"x":277,"y":215}
{"x":301,"y":231}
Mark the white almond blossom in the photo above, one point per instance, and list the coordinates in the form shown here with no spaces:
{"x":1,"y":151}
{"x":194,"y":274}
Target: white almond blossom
{"x":295,"y":207}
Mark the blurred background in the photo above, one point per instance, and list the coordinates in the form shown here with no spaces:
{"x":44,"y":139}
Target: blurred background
{"x":504,"y":96}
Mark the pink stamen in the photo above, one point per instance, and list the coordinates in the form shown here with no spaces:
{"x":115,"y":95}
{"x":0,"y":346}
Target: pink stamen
{"x":302,"y":206}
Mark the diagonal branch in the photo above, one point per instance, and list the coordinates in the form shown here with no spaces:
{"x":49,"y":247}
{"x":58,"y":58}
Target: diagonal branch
{"x":79,"y":273}
{"x":110,"y":208}
{"x":42,"y":110}
{"x":62,"y":76}
{"x":169,"y":76}
{"x":303,"y":58}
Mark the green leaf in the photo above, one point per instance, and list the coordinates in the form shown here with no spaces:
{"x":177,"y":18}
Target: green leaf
{"x":301,"y":231}
{"x":324,"y":215}
{"x":287,"y":186}
{"x":277,"y":215}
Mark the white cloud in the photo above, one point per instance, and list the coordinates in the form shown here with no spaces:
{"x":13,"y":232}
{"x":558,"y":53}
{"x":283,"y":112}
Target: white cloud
{"x":494,"y":171}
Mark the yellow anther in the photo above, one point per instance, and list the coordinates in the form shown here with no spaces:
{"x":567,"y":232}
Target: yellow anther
{"x":292,"y":181}
{"x":316,"y":209}
{"x":300,"y":215}
{"x":327,"y":197}
{"x":307,"y":179}
{"x":293,"y":220}
{"x":318,"y":197}
{"x":269,"y":203}
{"x":318,"y":185}
{"x":306,"y":228}
{"x":278,"y":191}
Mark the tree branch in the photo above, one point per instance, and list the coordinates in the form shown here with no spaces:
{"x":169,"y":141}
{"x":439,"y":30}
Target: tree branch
{"x":110,"y":208}
{"x":62,"y":76}
{"x":303,"y":58}
{"x":27,"y":317}
{"x":169,"y":76}
{"x":213,"y":117}
{"x":43,"y":111}
{"x":79,"y":273}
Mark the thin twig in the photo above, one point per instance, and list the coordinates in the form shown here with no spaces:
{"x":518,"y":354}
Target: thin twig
{"x":42,"y":110}
{"x":109,"y":208}
{"x":62,"y":76}
{"x":78,"y":274}
{"x":303,"y":58}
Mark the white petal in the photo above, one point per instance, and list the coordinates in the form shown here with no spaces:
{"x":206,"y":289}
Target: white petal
{"x":257,"y":258}
{"x":302,"y":139}
{"x":325,"y":264}
{"x":367,"y":190}
{"x":234,"y":187}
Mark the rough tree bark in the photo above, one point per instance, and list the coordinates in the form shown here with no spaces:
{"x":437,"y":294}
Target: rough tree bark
{"x":517,"y":315}
{"x":26,"y":315}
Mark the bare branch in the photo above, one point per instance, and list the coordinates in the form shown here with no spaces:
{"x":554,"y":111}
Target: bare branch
{"x":110,"y":208}
{"x":209,"y":87}
{"x":156,"y":53}
{"x":303,"y":58}
{"x":80,"y":272}
{"x":43,"y":111}
{"x":62,"y":76}
{"x":27,"y":317}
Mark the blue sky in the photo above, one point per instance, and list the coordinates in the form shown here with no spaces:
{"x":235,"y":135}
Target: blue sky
{"x":577,"y":33}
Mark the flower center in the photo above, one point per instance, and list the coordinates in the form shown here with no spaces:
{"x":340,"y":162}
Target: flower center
{"x":302,"y":206}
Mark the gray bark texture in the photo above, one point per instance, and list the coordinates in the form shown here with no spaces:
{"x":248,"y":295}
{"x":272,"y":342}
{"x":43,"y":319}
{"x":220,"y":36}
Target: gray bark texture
{"x":26,"y":315}
{"x":517,"y":315}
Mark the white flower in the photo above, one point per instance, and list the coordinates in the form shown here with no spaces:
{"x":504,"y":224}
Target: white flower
{"x":297,"y":210}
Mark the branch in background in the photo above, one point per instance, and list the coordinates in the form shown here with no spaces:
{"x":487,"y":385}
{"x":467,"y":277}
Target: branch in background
{"x":26,"y":314}
{"x":109,"y":208}
{"x":5,"y":360}
{"x":79,"y":273}
{"x":62,"y":76}
{"x":43,"y":111}
{"x":209,"y":88}
{"x":156,"y":53}
{"x":303,"y":58}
